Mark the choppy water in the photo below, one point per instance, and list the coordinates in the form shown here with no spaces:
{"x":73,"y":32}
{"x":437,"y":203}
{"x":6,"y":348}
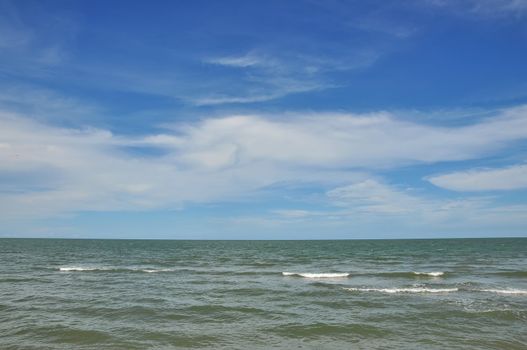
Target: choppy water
{"x":394,"y":294}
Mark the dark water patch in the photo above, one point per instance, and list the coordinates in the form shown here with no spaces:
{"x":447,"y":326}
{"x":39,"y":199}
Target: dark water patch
{"x":24,"y":280}
{"x":199,"y":282}
{"x":60,"y":334}
{"x":27,"y":298}
{"x":515,"y":274}
{"x":221,"y":309}
{"x":261,"y":264}
{"x":384,"y":260}
{"x":488,"y":316}
{"x":5,"y":308}
{"x":78,"y":336}
{"x":255,"y":273}
{"x":502,"y":344}
{"x":176,"y":339}
{"x":369,"y":304}
{"x":233,"y":273}
{"x":246,"y":292}
{"x":129,"y":313}
{"x":225,"y":314}
{"x":176,"y":315}
{"x":326,"y":285}
{"x":315,"y":330}
{"x":506,"y":315}
{"x":318,"y":292}
{"x":334,"y":304}
{"x":150,"y":300}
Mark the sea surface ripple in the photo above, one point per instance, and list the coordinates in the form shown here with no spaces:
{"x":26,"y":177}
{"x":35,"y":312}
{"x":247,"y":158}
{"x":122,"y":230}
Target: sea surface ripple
{"x":368,"y":294}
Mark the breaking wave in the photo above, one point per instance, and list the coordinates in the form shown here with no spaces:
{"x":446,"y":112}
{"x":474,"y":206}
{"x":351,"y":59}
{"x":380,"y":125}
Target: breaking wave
{"x":317,"y":275}
{"x":110,"y":269}
{"x":431,"y":274}
{"x":410,"y":274}
{"x":506,"y":291}
{"x":404,"y":290}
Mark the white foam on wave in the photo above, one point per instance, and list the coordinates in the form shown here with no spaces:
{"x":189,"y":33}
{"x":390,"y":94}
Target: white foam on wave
{"x":404,"y":290}
{"x":316,"y":275}
{"x":432,"y":274}
{"x":75,"y":268}
{"x":85,"y":268}
{"x":506,"y":291}
{"x":156,"y":270}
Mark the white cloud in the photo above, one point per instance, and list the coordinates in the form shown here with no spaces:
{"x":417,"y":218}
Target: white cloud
{"x":348,"y":140}
{"x":52,"y":170}
{"x":510,"y":178}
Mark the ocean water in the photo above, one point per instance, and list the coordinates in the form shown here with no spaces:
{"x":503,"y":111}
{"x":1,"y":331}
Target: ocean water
{"x":384,"y":294}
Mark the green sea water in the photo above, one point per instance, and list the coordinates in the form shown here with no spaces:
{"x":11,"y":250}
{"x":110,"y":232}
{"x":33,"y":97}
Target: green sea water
{"x":382,"y":294}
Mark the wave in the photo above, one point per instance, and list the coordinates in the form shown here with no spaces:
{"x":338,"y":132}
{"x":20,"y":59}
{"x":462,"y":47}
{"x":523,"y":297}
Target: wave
{"x":111,"y":269}
{"x":431,"y":274}
{"x":506,"y":291}
{"x":411,"y":274}
{"x":116,"y":269}
{"x":156,"y":270}
{"x":70,"y":269}
{"x":404,"y":290}
{"x":437,"y":290}
{"x":317,"y":275}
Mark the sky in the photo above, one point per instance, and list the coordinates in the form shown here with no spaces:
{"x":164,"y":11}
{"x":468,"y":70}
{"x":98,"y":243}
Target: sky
{"x":263,"y":119}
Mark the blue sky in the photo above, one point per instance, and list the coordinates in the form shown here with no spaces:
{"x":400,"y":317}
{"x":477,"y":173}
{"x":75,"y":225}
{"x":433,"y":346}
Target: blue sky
{"x":263,"y":119}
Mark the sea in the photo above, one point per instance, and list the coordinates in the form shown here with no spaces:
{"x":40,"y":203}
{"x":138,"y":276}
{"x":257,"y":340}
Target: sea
{"x":341,"y":294}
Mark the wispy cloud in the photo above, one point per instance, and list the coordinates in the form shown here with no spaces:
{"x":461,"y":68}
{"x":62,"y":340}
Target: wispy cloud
{"x":484,"y":8}
{"x":371,"y":196}
{"x":278,"y":88}
{"x":30,"y":48}
{"x":247,"y":60}
{"x":377,"y":198}
{"x":45,"y":104}
{"x":14,"y":33}
{"x":263,"y":76}
{"x":265,"y":69}
{"x":375,"y":202}
{"x":509,"y":178}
